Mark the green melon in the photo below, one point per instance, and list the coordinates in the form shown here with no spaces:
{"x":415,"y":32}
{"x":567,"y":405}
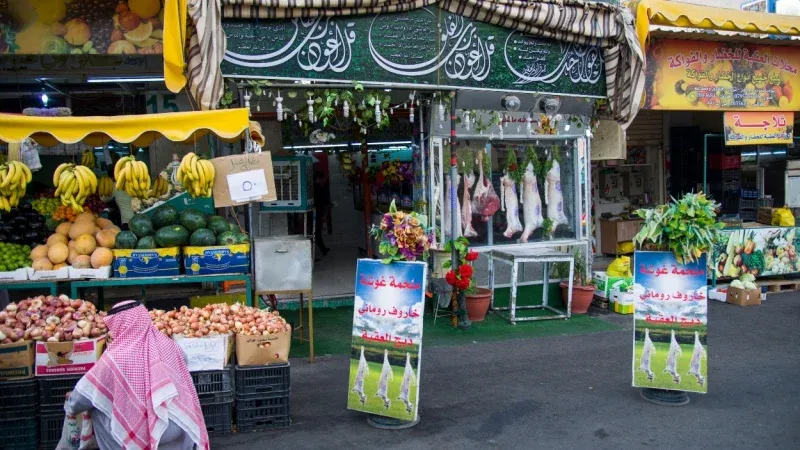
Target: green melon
{"x":203,"y":238}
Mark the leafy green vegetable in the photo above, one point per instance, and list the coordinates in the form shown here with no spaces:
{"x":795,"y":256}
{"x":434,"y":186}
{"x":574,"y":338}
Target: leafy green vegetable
{"x":754,"y":260}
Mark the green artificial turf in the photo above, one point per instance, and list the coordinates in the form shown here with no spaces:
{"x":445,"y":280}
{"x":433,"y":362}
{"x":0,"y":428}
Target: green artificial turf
{"x":333,"y":326}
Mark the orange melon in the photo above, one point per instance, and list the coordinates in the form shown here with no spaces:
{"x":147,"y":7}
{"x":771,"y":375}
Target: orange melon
{"x":42,"y":264}
{"x":102,"y":257}
{"x":106,"y":238}
{"x":63,"y":228}
{"x":39,"y":252}
{"x":80,"y":228}
{"x":56,"y":239}
{"x":72,"y":255}
{"x":82,"y":262}
{"x":85,"y":244}
{"x":104,"y":224}
{"x":58,"y":253}
{"x":59,"y":266}
{"x":86,"y":217}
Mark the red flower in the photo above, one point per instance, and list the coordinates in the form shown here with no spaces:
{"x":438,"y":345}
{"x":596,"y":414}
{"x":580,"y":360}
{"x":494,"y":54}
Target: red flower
{"x":451,"y":278}
{"x":472,"y":256}
{"x":465,"y":270}
{"x":462,"y":284}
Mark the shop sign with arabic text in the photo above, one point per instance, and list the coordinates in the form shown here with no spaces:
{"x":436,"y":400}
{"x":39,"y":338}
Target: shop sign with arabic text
{"x":751,"y":128}
{"x":700,"y":75}
{"x":428,"y":46}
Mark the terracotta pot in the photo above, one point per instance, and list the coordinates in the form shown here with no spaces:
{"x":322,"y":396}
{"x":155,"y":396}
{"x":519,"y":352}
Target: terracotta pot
{"x":581,"y":297}
{"x":478,"y":304}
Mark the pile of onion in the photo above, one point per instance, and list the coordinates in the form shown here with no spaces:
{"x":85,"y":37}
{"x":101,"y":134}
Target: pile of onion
{"x":218,"y":319}
{"x":51,"y":319}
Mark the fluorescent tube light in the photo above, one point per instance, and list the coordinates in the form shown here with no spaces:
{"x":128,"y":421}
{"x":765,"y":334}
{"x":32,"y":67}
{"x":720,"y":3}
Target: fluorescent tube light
{"x":123,"y":79}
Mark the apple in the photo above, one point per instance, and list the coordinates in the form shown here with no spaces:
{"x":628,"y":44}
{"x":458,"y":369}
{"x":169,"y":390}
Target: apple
{"x":78,"y":32}
{"x":58,"y":29}
{"x":117,"y":35}
{"x":129,"y":20}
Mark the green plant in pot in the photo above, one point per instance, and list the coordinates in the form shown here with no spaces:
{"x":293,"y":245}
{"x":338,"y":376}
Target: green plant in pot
{"x":475,"y":299}
{"x":582,"y":286}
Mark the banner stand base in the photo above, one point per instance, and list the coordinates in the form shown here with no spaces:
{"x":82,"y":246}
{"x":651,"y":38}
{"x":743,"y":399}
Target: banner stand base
{"x":663,"y":397}
{"x":390,"y":423}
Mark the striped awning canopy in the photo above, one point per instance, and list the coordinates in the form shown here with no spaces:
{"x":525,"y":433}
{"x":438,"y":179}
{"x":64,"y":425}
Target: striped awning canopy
{"x":678,"y":14}
{"x":600,"y":24}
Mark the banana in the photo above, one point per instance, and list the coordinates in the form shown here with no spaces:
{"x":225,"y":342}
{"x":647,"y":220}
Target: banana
{"x":9,"y":177}
{"x":58,"y":172}
{"x":122,"y":178}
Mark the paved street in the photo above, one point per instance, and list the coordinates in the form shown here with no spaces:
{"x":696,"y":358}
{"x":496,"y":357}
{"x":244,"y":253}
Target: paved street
{"x":570,"y":392}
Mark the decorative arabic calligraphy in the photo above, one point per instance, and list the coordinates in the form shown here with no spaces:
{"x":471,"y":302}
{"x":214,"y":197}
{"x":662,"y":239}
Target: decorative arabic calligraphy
{"x":583,"y":64}
{"x":318,"y":44}
{"x":383,"y":312}
{"x":730,"y":54}
{"x":463,"y":53}
{"x":381,"y":282}
{"x":678,"y":296}
{"x":398,"y":341}
{"x":651,"y":270}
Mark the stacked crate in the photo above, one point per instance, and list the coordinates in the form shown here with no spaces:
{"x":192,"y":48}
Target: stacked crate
{"x":215,"y":391}
{"x":18,"y":401}
{"x":262,"y":397}
{"x":52,"y":395}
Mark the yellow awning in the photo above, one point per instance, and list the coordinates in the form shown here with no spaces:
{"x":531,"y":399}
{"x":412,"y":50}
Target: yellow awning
{"x":140,"y":130}
{"x":677,"y":14}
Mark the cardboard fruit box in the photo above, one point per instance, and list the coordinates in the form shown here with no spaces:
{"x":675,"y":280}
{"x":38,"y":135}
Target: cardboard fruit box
{"x":158,"y":262}
{"x":217,"y":259}
{"x":16,"y":361}
{"x":206,"y":353}
{"x":604,"y":283}
{"x":743,"y":297}
{"x":67,"y":358}
{"x":263,"y":350}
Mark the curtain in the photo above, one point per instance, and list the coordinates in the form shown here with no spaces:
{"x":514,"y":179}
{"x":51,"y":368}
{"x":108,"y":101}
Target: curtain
{"x":601,"y":24}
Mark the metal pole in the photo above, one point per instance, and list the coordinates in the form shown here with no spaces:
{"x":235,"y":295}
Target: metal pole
{"x":367,"y":196}
{"x":463,"y":321}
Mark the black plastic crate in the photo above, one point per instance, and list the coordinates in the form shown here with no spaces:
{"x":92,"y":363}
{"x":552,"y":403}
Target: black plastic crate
{"x":218,"y":418}
{"x":213,"y":386}
{"x":18,"y":399}
{"x":262,"y":413}
{"x":262,"y":381}
{"x":50,"y":427}
{"x":53,"y":391}
{"x":19,"y":434}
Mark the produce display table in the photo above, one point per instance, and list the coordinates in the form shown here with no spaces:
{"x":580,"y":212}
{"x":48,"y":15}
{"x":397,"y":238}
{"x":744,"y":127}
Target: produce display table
{"x":516,"y":256}
{"x":152,"y":281}
{"x":32,"y":284}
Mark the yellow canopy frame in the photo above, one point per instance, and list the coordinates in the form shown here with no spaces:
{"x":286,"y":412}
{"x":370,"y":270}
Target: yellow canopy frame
{"x":140,"y":130}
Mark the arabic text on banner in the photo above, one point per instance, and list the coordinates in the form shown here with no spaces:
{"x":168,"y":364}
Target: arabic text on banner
{"x":387,"y":338}
{"x":751,"y":128}
{"x":670,"y":323}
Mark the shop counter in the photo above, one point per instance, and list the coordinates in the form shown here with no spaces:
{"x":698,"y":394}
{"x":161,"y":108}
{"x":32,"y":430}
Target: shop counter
{"x":761,"y":250}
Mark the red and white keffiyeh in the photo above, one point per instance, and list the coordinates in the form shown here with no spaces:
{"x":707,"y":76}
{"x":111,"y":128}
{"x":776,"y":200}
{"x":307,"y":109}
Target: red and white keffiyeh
{"x":141,"y":382}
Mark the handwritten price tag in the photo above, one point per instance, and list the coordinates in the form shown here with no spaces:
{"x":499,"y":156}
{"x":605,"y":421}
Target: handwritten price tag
{"x":247,"y":186}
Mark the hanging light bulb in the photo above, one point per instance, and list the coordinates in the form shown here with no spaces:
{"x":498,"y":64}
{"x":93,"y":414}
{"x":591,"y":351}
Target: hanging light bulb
{"x":501,"y":131}
{"x":391,"y":111}
{"x":441,"y":111}
{"x":247,"y":102}
{"x":310,"y":102}
{"x":466,"y":120}
{"x":346,"y":109}
{"x":279,"y":106}
{"x":377,"y":111}
{"x":411,"y":113}
{"x":529,"y":124}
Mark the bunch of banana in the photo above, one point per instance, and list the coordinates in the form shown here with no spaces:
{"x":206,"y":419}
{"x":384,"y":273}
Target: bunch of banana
{"x":73,"y":184}
{"x":196,"y":175}
{"x":160,"y":187}
{"x":14,"y":177}
{"x":88,"y":159}
{"x":105,"y":187}
{"x":132,"y":176}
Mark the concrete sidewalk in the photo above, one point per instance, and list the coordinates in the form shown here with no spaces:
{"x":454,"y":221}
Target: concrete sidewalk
{"x":569,"y":392}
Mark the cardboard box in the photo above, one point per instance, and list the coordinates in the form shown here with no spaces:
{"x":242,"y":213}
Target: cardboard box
{"x":743,"y":297}
{"x":263,"y":350}
{"x":621,"y":301}
{"x":15,"y":275}
{"x":60,"y":274}
{"x":604,"y":283}
{"x":93,"y":274}
{"x":68,"y":358}
{"x":206,"y":353}
{"x":159,"y":262}
{"x":765,"y":215}
{"x":16,"y":361}
{"x":217,"y":259}
{"x":225,"y":194}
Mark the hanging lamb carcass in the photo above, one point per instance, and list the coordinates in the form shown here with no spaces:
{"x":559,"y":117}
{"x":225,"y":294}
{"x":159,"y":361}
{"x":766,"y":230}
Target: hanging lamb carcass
{"x":484,"y":201}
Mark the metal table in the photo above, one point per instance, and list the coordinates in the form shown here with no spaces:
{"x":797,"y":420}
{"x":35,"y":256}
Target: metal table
{"x":515,"y":256}
{"x":152,"y":281}
{"x":32,"y":284}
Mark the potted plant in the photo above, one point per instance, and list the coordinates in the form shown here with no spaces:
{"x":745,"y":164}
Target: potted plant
{"x":470,"y":297}
{"x":582,"y":286}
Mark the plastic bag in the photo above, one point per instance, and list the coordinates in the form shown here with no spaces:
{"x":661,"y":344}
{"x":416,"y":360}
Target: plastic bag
{"x":625,"y":248}
{"x":782,"y":217}
{"x":29,"y":155}
{"x":620,"y":267}
{"x":77,"y":433}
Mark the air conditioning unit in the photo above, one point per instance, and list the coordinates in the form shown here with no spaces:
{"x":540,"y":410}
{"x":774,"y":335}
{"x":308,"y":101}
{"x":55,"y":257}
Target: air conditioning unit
{"x":294,"y":184}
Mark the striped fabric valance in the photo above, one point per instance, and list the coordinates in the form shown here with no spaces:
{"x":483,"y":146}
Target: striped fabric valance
{"x":575,"y":21}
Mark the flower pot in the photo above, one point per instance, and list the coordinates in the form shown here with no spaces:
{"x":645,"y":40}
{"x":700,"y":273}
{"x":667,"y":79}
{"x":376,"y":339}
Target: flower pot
{"x":478,"y":304}
{"x":581,"y":297}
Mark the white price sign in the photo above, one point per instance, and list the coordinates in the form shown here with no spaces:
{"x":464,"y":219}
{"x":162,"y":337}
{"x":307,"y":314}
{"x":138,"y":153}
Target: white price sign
{"x":246,"y":186}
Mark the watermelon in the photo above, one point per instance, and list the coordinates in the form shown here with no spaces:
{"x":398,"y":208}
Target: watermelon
{"x":164,"y":216}
{"x":227,"y":238}
{"x":193,"y":220}
{"x":146,"y":243}
{"x":172,"y":236}
{"x":242,"y":238}
{"x":233,"y":227}
{"x":141,"y":225}
{"x":125,"y":240}
{"x":203,"y":238}
{"x":218,"y":225}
